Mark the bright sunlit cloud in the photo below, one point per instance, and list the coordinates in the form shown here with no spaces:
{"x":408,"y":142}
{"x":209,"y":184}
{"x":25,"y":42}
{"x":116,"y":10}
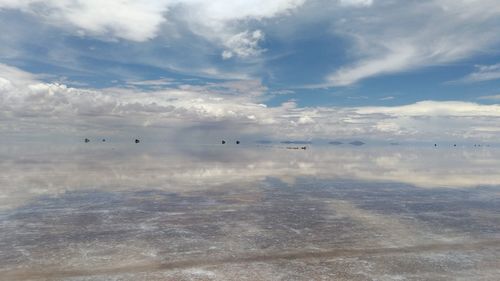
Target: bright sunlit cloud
{"x":279,"y":69}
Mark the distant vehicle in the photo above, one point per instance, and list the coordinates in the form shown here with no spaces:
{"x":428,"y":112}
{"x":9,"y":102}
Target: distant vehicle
{"x":137,"y":141}
{"x":296,"y":147}
{"x":87,"y":140}
{"x":237,"y":142}
{"x":223,"y":142}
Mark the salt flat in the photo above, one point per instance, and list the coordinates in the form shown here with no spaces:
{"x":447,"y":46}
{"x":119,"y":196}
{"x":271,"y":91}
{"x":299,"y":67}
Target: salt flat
{"x":249,"y":212}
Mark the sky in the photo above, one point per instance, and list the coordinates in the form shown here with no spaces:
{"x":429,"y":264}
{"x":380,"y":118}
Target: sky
{"x":283,"y":69}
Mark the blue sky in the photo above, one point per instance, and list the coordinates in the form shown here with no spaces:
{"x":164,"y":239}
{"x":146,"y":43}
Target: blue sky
{"x":308,"y":66}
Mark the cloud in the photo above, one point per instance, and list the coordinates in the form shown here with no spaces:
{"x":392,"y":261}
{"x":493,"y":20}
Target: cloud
{"x":482,"y":73}
{"x":387,"y":98}
{"x":30,"y":107}
{"x":356,"y":2}
{"x":244,"y":44}
{"x":437,"y":108}
{"x":398,"y":57}
{"x":141,"y":21}
{"x":191,"y":36}
{"x":392,"y":38}
{"x":229,"y":23}
{"x":491,"y":97}
{"x":125,"y":19}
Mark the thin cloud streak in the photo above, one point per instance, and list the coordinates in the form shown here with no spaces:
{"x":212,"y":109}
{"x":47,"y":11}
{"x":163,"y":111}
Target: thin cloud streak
{"x":481,"y":74}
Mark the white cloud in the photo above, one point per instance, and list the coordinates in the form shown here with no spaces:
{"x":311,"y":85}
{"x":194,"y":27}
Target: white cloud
{"x":217,"y":21}
{"x":356,"y":2}
{"x":387,"y":36}
{"x":126,"y":19}
{"x":244,"y":44}
{"x":437,"y":108}
{"x":387,"y":98}
{"x":397,"y":58}
{"x":30,"y":107}
{"x":490,"y":97}
{"x":392,"y":38}
{"x":226,"y":22}
{"x":483,"y":73}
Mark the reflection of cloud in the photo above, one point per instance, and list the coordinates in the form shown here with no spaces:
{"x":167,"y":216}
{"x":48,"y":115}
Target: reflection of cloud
{"x":51,"y":170}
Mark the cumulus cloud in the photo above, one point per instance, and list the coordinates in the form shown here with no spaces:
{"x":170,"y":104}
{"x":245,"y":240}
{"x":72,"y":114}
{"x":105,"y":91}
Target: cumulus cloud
{"x":126,"y":19}
{"x":31,"y":107}
{"x":226,"y":23}
{"x":384,"y":36}
{"x":244,"y":44}
{"x":140,"y":21}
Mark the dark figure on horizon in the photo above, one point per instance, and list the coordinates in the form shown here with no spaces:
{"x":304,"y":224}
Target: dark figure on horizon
{"x":103,"y":140}
{"x":237,"y":142}
{"x":223,"y":142}
{"x":454,"y":145}
{"x":137,"y":141}
{"x":304,"y":147}
{"x":435,"y":144}
{"x":87,"y":140}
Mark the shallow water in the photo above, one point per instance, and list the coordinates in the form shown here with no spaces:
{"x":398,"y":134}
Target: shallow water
{"x":102,"y":211}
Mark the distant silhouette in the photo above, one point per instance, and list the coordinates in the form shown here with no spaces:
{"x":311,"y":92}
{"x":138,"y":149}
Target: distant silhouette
{"x":435,"y":144}
{"x":454,"y":145}
{"x":237,"y":142}
{"x":357,"y":143}
{"x":304,"y":148}
{"x":103,"y":140}
{"x":87,"y":140}
{"x":137,"y":141}
{"x":223,"y":142}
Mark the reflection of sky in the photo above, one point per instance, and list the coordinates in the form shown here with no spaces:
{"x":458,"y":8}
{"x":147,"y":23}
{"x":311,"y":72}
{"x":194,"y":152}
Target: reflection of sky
{"x":30,"y":171}
{"x":162,"y":212}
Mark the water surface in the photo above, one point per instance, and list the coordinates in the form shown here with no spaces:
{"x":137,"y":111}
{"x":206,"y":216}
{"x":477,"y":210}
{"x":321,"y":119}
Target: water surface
{"x":101,"y":211}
